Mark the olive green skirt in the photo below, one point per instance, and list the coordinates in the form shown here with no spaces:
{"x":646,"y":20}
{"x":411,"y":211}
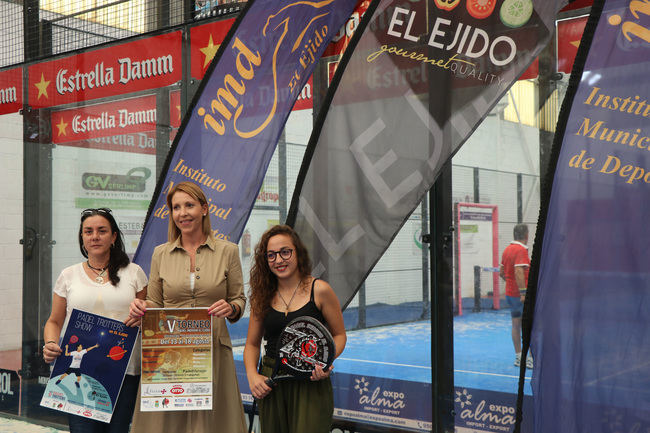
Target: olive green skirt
{"x":296,"y":405}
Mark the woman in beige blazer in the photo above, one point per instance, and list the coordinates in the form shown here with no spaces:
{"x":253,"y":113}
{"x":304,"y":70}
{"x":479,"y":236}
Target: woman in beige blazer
{"x":193,"y":269}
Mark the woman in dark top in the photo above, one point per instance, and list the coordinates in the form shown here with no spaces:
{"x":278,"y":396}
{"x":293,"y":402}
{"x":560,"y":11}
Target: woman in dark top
{"x":281,"y":289}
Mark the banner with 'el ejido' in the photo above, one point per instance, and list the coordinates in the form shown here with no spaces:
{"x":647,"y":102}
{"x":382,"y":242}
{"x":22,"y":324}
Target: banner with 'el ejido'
{"x":421,"y":77}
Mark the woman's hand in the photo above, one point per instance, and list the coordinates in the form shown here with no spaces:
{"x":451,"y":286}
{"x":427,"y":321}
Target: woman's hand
{"x":319,"y":374}
{"x":221,"y":308}
{"x":259,"y":387}
{"x":136,"y":311}
{"x":51,"y":351}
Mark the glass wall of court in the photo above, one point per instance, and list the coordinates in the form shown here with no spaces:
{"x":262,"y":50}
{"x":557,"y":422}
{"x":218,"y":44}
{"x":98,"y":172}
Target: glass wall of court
{"x":52,"y":168}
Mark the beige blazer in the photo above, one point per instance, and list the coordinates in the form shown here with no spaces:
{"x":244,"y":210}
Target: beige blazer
{"x":218,"y":276}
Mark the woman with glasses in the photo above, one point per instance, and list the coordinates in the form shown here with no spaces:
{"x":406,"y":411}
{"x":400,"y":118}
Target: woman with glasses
{"x":194,"y":269}
{"x":105,"y":284}
{"x":281,"y":289}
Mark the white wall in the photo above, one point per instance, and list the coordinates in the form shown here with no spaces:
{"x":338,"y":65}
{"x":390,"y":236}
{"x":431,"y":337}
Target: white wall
{"x":11,"y":227}
{"x":502,"y":145}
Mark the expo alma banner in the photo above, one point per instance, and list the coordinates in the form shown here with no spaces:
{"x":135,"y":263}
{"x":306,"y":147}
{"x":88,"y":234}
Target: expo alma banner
{"x":421,"y":77}
{"x":226,"y":141}
{"x":589,"y":280}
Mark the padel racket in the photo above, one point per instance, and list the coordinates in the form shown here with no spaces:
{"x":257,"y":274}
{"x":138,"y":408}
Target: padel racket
{"x":303,"y":344}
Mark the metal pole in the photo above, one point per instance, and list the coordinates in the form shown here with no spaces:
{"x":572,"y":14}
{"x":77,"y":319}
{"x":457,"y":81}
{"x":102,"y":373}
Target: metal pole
{"x":282,"y":177}
{"x":37,"y":218}
{"x":442,"y":317}
{"x":477,"y":289}
{"x":426,"y":301}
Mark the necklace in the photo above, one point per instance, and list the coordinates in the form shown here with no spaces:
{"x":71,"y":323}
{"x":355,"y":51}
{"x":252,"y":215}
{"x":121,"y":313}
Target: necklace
{"x":100,"y":272}
{"x":286,"y":304}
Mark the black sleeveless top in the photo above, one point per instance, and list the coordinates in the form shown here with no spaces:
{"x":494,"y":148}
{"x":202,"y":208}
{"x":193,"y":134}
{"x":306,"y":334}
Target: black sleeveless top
{"x":275,"y":321}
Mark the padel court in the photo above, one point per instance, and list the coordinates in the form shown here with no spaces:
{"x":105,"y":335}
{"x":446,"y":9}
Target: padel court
{"x":483,"y":353}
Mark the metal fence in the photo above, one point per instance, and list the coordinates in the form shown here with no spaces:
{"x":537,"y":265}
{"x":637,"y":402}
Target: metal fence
{"x":61,"y":26}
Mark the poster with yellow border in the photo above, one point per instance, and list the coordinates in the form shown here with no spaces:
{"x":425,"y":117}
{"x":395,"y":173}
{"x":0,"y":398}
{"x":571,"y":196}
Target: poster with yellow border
{"x":176,"y":359}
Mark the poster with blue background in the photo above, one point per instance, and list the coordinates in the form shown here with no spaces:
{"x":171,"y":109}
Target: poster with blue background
{"x":87,"y":377}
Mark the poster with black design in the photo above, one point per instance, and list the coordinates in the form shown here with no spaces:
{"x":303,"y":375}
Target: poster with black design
{"x":86,"y":378}
{"x":176,"y":360}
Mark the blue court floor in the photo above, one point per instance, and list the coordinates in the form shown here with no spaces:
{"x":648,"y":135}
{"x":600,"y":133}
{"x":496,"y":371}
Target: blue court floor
{"x":483,"y":357}
{"x":483,"y":352}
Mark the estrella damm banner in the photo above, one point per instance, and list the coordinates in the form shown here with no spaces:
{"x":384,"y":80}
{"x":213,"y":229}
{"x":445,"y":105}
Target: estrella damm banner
{"x":227,"y":141}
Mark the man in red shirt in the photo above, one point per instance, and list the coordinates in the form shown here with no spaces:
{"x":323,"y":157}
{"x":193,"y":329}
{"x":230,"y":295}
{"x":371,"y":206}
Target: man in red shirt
{"x":515,"y":265}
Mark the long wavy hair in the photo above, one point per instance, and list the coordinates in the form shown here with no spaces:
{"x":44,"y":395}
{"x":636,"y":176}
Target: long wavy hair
{"x":263,"y":282}
{"x":118,"y":258}
{"x":194,"y":191}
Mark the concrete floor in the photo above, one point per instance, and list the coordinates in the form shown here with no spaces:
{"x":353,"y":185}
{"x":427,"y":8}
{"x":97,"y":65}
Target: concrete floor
{"x":10,"y":425}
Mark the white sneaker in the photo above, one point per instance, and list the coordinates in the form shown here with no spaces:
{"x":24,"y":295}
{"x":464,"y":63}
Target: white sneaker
{"x":518,"y":359}
{"x":529,"y":362}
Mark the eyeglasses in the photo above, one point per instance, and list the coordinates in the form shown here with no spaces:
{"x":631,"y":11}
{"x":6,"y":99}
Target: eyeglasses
{"x":285,"y":253}
{"x":93,"y":211}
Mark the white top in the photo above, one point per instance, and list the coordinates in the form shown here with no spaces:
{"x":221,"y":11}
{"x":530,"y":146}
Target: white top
{"x":77,"y":356}
{"x":83,"y":293}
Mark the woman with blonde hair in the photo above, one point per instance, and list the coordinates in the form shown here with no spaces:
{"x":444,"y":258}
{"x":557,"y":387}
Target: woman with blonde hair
{"x":193,"y":269}
{"x":282,"y":289}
